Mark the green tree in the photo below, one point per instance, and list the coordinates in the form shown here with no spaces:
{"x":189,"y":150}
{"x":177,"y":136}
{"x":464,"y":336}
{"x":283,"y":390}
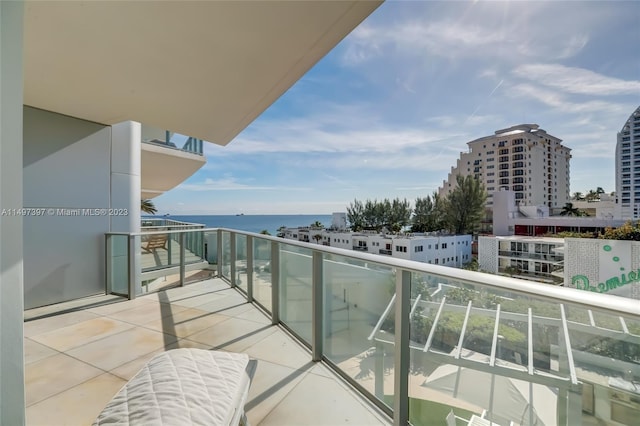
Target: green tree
{"x":628,"y":231}
{"x":428,"y":214}
{"x":464,"y":206}
{"x":265,"y":232}
{"x":148,"y":207}
{"x":592,"y":195}
{"x":317,"y":237}
{"x":578,"y":196}
{"x":317,"y":225}
{"x":399,"y":215}
{"x":569,"y":210}
{"x":355,"y":215}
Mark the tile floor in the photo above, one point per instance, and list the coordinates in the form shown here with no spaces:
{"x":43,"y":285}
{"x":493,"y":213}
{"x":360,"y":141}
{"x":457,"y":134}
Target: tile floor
{"x":78,"y":355}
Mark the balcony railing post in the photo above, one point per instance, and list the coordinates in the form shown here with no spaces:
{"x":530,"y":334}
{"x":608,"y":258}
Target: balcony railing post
{"x":219,"y":253}
{"x":401,"y":360}
{"x":108,"y":264}
{"x":182,"y":260}
{"x":316,"y":307}
{"x":275,"y":282}
{"x":249,"y":268}
{"x":131,"y":250}
{"x":232,"y":258}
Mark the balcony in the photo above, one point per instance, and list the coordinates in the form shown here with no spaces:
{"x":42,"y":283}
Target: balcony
{"x":370,"y":333}
{"x":164,"y":165}
{"x":79,"y":354}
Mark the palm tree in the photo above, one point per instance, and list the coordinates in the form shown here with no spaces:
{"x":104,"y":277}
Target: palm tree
{"x":317,"y":237}
{"x":592,"y":195}
{"x":148,"y":207}
{"x":265,"y":232}
{"x":317,"y":225}
{"x":569,"y":210}
{"x":578,"y":196}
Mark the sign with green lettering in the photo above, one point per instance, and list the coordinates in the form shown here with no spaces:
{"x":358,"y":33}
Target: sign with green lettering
{"x":614,"y":268}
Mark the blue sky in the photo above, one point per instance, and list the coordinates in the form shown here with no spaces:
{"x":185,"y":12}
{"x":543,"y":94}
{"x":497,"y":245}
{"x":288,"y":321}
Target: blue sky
{"x":387,"y":112}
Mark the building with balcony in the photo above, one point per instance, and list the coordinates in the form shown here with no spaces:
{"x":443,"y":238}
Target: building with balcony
{"x":590,"y":264}
{"x":524,"y":159}
{"x":509,"y":218}
{"x":78,"y":81}
{"x":531,"y":258}
{"x":166,"y":161}
{"x":434,"y":248}
{"x":628,"y":168}
{"x":340,"y":336}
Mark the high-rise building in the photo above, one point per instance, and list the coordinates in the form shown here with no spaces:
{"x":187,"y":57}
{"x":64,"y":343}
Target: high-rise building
{"x":522,"y":158}
{"x":628,"y":168}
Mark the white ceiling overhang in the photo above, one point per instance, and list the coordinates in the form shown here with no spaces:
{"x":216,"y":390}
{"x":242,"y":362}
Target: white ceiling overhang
{"x":204,"y":69}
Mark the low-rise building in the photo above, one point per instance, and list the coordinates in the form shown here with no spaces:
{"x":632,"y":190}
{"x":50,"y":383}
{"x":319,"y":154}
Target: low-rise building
{"x":434,"y":248}
{"x":531,"y":258}
{"x":590,"y":264}
{"x":510,"y":218}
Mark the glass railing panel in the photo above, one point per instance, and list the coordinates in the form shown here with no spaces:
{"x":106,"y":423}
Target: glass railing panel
{"x":241,"y":262}
{"x":211,"y":247}
{"x":160,"y":266}
{"x":262,"y":272}
{"x":606,"y":354}
{"x":444,"y":303}
{"x":158,"y":251}
{"x":355,"y":295}
{"x":118,"y":264}
{"x":295,"y":289}
{"x":225,"y":268}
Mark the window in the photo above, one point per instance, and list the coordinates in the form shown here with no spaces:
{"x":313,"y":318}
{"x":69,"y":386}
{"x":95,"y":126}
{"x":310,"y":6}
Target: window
{"x":417,"y":249}
{"x":436,"y":247}
{"x":444,"y":245}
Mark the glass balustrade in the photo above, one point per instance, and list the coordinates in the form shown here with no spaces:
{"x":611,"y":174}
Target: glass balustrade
{"x":430,"y":344}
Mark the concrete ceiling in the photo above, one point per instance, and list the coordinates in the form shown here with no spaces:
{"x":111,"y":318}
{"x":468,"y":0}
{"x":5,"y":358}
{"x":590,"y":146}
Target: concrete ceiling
{"x":203,"y":69}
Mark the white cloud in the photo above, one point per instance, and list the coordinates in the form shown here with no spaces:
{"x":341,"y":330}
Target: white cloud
{"x":459,"y":29}
{"x":577,"y":80}
{"x":231,"y":184}
{"x":558,"y":100}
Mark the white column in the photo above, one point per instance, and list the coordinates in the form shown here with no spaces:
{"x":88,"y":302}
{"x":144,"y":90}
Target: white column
{"x":12,"y":399}
{"x":126,"y":138}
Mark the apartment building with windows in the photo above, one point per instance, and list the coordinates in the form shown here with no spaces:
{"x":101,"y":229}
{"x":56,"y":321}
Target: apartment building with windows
{"x":628,"y":168}
{"x":539,"y":259}
{"x":524,"y":159}
{"x":434,"y":248}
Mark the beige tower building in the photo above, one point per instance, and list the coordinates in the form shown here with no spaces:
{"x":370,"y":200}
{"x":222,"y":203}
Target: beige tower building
{"x":522,"y":158}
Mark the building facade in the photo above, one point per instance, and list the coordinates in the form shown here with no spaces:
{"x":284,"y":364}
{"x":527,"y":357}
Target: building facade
{"x":590,"y":264}
{"x":524,"y":159}
{"x":434,"y":248}
{"x":530,"y":258}
{"x":628,"y":168}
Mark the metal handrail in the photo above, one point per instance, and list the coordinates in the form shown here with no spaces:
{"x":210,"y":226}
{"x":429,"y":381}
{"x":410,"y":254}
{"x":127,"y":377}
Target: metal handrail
{"x":597,"y":301}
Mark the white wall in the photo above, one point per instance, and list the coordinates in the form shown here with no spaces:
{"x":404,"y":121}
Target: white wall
{"x":72,"y":164}
{"x":12,"y":399}
{"x":598,"y":261}
{"x":66,"y":166}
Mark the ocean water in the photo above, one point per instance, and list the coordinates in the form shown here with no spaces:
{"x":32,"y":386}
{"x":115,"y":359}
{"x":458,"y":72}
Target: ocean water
{"x":256,"y":223}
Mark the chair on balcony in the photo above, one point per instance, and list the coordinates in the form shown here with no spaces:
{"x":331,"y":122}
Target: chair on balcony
{"x":154,"y":242}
